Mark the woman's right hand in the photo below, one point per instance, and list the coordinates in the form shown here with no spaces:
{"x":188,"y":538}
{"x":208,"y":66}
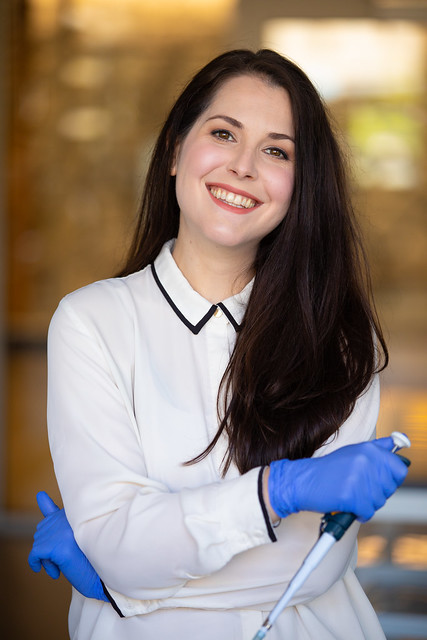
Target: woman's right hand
{"x":56,"y":549}
{"x":357,"y":478}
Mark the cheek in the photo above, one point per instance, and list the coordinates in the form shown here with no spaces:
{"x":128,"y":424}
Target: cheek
{"x":192,"y":167}
{"x":281,"y":187}
{"x":200,"y":159}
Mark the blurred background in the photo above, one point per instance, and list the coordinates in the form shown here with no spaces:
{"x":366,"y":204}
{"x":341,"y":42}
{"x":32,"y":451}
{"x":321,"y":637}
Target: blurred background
{"x":84,"y":88}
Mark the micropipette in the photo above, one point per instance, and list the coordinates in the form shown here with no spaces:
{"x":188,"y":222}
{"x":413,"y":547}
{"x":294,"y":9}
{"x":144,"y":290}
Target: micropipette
{"x":332,"y":528}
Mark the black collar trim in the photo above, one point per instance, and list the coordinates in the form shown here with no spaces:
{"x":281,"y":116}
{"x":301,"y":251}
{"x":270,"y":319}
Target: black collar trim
{"x":235,"y":324}
{"x":194,"y":328}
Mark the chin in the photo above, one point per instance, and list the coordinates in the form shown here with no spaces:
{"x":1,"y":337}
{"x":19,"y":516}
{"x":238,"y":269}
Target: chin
{"x":237,"y":245}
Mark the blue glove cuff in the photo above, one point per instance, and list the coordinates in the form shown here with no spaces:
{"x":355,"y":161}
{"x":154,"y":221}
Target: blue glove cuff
{"x":280,"y":488}
{"x":100,"y":591}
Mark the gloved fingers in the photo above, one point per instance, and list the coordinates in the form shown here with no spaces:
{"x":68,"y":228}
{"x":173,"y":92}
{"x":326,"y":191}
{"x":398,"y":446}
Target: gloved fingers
{"x":56,"y":528}
{"x":368,"y":509}
{"x":393,"y":471}
{"x":365,"y":517}
{"x":46,"y":504}
{"x":399,"y":470}
{"x":388,"y":468}
{"x":385,"y":443}
{"x":50,"y":526}
{"x":51,"y":569}
{"x":34,"y":561}
{"x":390,"y":442}
{"x":380,"y":495}
{"x":388,"y":474}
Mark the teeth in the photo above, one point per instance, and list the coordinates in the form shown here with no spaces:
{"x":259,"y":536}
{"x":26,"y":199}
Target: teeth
{"x":234,"y":199}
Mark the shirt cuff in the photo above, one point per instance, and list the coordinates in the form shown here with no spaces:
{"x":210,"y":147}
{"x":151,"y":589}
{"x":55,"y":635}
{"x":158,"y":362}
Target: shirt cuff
{"x":111,"y":600}
{"x":268,"y":523}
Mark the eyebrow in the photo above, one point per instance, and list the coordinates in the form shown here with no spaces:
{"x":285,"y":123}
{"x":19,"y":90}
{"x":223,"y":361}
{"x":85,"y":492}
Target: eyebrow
{"x":239,"y":125}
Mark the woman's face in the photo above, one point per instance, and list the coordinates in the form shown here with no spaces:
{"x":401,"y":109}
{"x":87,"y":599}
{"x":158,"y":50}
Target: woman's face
{"x":235,"y":168}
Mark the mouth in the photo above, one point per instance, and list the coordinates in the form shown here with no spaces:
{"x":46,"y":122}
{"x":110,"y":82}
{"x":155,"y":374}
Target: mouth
{"x":231,"y":198}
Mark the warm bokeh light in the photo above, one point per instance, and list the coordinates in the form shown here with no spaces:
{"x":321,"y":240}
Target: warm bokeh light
{"x":406,"y":551}
{"x":406,"y":410}
{"x":109,"y":21}
{"x":410,"y":551}
{"x":370,"y":549}
{"x":387,"y":144}
{"x":370,"y":57}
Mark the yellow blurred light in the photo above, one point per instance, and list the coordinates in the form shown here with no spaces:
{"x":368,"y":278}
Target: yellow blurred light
{"x":165,"y":7}
{"x":110,"y":21}
{"x":411,"y":551}
{"x":160,"y":5}
{"x":370,"y":549}
{"x":85,"y":124}
{"x":360,"y":57}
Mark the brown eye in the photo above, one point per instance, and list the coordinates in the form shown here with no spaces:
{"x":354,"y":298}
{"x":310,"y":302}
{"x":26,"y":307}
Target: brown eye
{"x":222,"y":134}
{"x":277,"y":153}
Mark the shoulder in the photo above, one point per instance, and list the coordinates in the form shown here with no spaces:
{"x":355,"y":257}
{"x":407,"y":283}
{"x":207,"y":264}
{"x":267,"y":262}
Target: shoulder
{"x":106,"y":291}
{"x":110,"y":302}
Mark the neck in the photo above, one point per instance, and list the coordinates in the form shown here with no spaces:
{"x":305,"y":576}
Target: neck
{"x":216,"y":273}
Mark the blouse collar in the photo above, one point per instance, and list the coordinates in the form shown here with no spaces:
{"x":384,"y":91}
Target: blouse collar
{"x":192,"y":309}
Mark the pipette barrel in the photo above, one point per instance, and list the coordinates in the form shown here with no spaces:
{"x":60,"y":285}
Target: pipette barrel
{"x":260,"y":634}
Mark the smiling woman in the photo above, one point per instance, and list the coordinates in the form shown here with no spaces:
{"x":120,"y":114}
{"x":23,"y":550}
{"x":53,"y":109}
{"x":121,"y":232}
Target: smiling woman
{"x":225,"y":379}
{"x":233,"y":185}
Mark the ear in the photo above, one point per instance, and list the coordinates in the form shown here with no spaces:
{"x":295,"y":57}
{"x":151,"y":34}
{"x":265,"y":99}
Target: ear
{"x":175,"y":160}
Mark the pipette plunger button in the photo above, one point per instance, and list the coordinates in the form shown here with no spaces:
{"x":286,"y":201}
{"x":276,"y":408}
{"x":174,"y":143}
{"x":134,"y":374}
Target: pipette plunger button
{"x":400,"y":440}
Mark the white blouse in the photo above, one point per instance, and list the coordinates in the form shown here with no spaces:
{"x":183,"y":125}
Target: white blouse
{"x":134,"y":369}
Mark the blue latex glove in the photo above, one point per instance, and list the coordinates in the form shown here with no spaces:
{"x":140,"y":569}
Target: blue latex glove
{"x":56,"y":549}
{"x":357,"y":478}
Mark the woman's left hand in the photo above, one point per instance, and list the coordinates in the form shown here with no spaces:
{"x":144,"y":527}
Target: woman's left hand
{"x":357,"y":478}
{"x":56,"y":549}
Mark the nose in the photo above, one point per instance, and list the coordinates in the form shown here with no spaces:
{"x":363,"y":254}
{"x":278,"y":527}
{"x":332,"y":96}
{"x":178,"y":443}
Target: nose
{"x":243,"y":163}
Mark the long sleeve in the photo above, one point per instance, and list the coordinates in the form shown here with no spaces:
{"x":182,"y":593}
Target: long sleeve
{"x":144,"y":540}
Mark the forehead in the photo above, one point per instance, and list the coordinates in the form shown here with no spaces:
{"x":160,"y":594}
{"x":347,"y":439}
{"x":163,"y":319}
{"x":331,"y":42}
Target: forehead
{"x":249,"y":97}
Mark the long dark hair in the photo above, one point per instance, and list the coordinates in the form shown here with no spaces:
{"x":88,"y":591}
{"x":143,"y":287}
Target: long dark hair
{"x":310,"y":341}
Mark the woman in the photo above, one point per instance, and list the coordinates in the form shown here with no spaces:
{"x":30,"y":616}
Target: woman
{"x":223,"y":381}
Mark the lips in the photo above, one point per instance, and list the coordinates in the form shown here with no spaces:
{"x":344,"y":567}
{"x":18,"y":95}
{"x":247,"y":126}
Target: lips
{"x":237,"y":199}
